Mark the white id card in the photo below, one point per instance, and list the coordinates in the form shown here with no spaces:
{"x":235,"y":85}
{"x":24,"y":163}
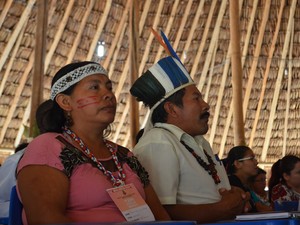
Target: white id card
{"x":130,"y":203}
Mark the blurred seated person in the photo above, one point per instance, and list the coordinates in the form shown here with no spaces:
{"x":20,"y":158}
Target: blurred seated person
{"x":257,"y":185}
{"x":285,"y":183}
{"x":73,"y":173}
{"x":241,"y":165}
{"x":8,"y":170}
{"x":8,"y":178}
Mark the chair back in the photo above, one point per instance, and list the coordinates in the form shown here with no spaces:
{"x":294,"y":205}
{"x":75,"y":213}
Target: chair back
{"x":15,"y":208}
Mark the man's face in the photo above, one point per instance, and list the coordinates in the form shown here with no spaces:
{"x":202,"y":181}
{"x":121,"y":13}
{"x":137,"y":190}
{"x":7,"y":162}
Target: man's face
{"x":193,"y":116}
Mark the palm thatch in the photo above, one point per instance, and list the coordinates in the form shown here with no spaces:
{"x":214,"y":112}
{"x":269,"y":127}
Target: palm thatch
{"x":199,"y":30}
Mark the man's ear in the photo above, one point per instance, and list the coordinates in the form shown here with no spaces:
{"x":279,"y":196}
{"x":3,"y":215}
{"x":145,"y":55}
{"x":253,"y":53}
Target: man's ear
{"x":170,"y":109}
{"x":64,"y":102}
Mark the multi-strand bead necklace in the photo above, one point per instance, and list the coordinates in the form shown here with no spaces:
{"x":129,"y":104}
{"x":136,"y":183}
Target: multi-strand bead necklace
{"x":119,"y":181}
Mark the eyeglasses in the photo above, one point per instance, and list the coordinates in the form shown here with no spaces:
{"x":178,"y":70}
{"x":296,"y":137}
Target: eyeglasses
{"x":252,"y":158}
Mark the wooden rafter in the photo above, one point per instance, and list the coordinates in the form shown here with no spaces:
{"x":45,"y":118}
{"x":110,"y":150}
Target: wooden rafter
{"x":5,"y":11}
{"x":288,"y":94}
{"x":226,"y":71}
{"x":236,"y":67}
{"x":278,"y":81}
{"x":203,"y":39}
{"x":192,"y":30}
{"x":116,"y":40}
{"x":168,"y":28}
{"x":266,"y":74}
{"x":182,"y":24}
{"x":58,"y":34}
{"x":257,"y":50}
{"x":213,"y":42}
{"x":134,"y":65}
{"x":80,"y":32}
{"x":23,"y":20}
{"x":10,"y":62}
{"x":27,"y":110}
{"x":14,"y":102}
{"x":38,"y":69}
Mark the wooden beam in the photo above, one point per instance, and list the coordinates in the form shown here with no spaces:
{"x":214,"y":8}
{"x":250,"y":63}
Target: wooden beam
{"x":5,"y":11}
{"x":126,"y":109}
{"x":118,"y":34}
{"x":256,"y":55}
{"x":213,"y":42}
{"x":192,"y":30}
{"x":278,"y":81}
{"x":11,"y":61}
{"x":288,"y":94}
{"x":266,"y":74}
{"x":203,"y":39}
{"x":80,"y":31}
{"x":226,"y":69}
{"x":151,"y":36}
{"x":59,"y":33}
{"x":16,"y":97}
{"x":134,"y":67}
{"x":22,"y":21}
{"x":182,"y":24}
{"x":145,"y":56}
{"x":239,"y":133}
{"x":38,"y":69}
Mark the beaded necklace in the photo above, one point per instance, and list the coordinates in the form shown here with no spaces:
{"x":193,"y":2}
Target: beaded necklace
{"x":113,"y":149}
{"x":210,"y":168}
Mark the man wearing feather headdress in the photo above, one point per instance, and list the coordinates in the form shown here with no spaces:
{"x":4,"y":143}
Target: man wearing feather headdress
{"x":189,"y":180}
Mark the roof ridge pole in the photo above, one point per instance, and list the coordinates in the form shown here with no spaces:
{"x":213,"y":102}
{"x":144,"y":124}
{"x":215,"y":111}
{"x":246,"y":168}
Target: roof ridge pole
{"x":239,"y":133}
{"x":134,"y":66}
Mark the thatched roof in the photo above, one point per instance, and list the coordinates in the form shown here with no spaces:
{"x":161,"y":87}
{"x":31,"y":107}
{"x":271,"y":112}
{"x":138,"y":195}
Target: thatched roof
{"x":199,"y":30}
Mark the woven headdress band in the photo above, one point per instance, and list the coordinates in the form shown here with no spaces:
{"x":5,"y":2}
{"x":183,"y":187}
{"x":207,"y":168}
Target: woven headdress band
{"x":74,"y":77}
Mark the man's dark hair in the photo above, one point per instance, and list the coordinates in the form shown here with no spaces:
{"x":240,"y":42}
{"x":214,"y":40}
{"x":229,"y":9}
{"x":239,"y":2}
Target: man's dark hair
{"x":160,"y":114}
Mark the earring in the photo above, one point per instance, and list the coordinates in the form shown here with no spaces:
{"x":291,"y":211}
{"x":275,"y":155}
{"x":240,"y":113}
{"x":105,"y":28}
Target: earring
{"x":69,"y":120}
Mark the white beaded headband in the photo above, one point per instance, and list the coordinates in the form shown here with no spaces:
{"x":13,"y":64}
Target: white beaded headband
{"x":74,"y":77}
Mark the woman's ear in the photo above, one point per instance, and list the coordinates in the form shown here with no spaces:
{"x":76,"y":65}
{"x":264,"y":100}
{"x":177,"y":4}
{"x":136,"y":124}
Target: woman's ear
{"x":237,"y":164}
{"x":285,"y":176}
{"x":63,"y":101}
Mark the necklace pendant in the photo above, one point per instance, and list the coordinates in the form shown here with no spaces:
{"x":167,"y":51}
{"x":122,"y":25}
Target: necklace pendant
{"x":119,"y":183}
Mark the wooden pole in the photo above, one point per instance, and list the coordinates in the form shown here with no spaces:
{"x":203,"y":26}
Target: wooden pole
{"x":39,"y":58}
{"x":134,"y":67}
{"x":236,"y":65}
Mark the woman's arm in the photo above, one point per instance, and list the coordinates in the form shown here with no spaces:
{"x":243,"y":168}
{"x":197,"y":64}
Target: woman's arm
{"x":153,"y":202}
{"x":44,"y":194}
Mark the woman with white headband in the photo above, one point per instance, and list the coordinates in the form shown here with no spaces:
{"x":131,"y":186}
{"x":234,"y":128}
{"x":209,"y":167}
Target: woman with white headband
{"x":73,"y":173}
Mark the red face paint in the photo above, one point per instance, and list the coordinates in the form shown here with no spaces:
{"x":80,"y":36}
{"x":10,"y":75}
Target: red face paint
{"x":91,"y":100}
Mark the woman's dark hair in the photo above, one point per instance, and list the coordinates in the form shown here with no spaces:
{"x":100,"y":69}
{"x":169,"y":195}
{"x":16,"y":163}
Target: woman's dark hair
{"x":159,"y":114}
{"x":284,"y":165}
{"x":235,"y":153}
{"x":52,"y":117}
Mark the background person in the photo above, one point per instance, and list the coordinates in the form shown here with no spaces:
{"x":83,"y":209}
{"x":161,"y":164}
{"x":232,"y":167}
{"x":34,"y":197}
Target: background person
{"x":257,"y":185}
{"x":285,"y":184}
{"x":65,"y":173}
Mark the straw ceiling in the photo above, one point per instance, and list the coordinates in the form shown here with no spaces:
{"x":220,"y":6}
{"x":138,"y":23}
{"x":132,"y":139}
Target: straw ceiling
{"x":199,"y":30}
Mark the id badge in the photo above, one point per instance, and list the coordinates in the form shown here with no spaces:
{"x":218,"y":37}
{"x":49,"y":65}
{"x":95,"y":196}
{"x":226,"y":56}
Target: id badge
{"x":130,"y":203}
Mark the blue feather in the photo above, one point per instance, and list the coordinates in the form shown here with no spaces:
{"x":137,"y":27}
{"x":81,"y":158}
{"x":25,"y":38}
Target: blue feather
{"x":171,"y":50}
